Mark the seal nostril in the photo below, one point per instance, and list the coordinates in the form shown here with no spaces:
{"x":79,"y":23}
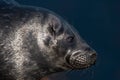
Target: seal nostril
{"x":93,"y":56}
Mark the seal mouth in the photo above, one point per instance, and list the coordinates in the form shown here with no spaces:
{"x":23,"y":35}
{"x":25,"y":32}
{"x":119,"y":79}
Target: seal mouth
{"x":81,"y":59}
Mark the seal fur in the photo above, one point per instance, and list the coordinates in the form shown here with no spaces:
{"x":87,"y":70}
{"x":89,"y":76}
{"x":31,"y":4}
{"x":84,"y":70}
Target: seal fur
{"x":35,"y":42}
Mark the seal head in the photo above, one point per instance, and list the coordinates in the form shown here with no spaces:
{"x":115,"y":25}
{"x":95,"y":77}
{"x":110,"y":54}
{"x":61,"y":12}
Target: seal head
{"x":35,"y":42}
{"x":62,"y":40}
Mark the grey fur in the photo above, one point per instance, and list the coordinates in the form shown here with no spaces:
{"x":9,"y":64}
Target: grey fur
{"x":35,"y":42}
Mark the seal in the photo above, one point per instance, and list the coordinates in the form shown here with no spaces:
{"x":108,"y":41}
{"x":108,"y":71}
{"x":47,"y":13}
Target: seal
{"x":35,"y":42}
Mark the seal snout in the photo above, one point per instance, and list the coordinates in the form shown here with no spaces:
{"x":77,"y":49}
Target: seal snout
{"x":93,"y":58}
{"x":81,"y":59}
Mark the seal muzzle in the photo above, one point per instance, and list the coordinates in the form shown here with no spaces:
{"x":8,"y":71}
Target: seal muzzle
{"x":80,"y":59}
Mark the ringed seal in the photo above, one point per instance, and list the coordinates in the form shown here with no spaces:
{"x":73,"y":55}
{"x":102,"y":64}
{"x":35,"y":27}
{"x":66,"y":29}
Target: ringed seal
{"x":35,"y":42}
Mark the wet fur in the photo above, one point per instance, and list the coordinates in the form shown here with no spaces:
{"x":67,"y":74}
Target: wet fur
{"x":20,"y":52}
{"x":34,"y":42}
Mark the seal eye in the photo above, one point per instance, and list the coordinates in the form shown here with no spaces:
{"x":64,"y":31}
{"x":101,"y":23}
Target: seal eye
{"x":70,"y":39}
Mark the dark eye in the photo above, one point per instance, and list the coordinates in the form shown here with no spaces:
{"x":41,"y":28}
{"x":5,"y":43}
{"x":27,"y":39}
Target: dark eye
{"x":70,"y":39}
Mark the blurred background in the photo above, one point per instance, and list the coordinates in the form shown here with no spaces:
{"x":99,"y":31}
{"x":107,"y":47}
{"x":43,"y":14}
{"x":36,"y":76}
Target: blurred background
{"x":98,"y":22}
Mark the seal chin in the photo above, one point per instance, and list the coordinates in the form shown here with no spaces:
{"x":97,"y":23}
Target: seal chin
{"x":81,"y":59}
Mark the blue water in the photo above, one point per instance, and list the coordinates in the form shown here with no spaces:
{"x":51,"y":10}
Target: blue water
{"x":98,"y":22}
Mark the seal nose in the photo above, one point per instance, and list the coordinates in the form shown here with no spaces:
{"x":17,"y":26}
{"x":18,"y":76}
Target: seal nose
{"x":93,"y":58}
{"x":91,"y":54}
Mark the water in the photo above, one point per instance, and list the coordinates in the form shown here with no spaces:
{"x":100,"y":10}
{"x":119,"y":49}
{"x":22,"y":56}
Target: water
{"x":98,"y":22}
